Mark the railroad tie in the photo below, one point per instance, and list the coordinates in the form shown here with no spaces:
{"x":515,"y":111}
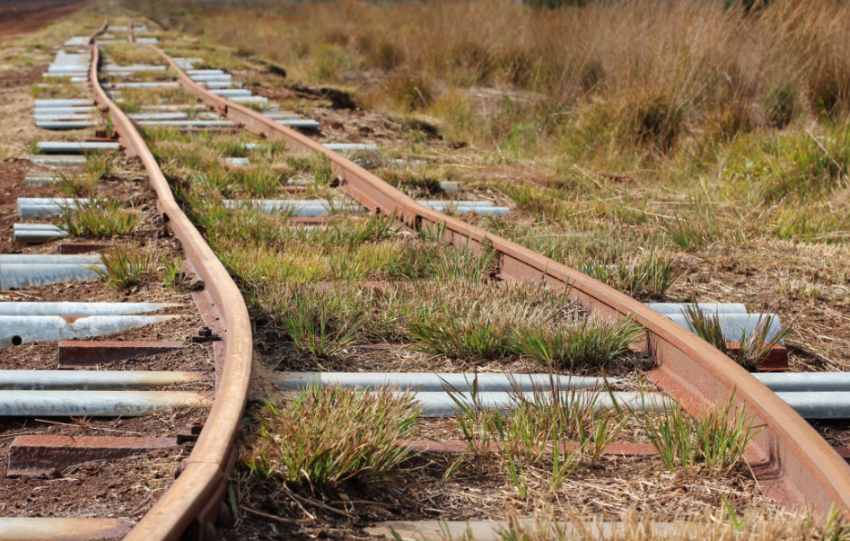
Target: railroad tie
{"x":87,"y":353}
{"x":25,"y":270}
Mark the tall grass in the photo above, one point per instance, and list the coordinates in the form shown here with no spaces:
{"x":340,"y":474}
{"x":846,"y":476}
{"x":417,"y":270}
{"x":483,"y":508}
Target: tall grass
{"x":648,"y":69}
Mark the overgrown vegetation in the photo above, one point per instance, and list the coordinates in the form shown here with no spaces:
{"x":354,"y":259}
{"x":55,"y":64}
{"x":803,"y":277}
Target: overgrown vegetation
{"x":99,"y":218}
{"x":316,"y":440}
{"x":124,"y":266}
{"x":712,"y":444}
{"x":753,"y":346}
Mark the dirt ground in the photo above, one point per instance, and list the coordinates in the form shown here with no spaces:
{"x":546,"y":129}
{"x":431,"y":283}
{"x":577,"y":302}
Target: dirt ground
{"x":18,"y":18}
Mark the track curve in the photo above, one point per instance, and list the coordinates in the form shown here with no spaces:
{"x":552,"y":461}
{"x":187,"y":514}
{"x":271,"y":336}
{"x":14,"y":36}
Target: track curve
{"x":195,"y":496}
{"x":793,"y":463}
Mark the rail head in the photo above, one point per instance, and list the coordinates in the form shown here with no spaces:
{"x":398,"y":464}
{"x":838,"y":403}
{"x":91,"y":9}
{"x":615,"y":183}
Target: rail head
{"x":797,"y":465}
{"x":208,"y":465}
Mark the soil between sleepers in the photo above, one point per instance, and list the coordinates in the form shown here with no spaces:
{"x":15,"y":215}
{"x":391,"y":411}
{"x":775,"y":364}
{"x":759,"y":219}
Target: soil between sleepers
{"x":116,"y":488}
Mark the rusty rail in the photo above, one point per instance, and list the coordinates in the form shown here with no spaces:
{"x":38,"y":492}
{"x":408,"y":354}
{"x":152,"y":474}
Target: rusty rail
{"x":197,"y":493}
{"x":792,"y":462}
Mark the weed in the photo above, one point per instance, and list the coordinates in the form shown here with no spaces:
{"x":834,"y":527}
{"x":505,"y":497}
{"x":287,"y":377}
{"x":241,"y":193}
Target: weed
{"x":717,"y":439}
{"x":96,"y":218}
{"x":409,"y":93}
{"x":323,"y":173}
{"x":754,"y":346}
{"x":648,"y":274}
{"x":76,"y":184}
{"x":124,"y":266}
{"x":173,"y":273}
{"x":99,"y":164}
{"x":324,"y":437}
{"x":593,"y":342}
{"x":464,"y":264}
{"x":317,"y":324}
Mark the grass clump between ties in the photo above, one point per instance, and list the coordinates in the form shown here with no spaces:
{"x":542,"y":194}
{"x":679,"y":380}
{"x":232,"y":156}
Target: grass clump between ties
{"x":98,"y":218}
{"x":76,"y":184}
{"x":711,"y":444}
{"x":534,"y":427}
{"x":99,"y":165}
{"x":326,"y":436}
{"x":123,"y":266}
{"x":754,"y":347}
{"x":593,"y":342}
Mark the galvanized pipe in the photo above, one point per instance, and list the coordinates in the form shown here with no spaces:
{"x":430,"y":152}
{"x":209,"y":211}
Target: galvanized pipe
{"x":93,"y":380}
{"x":17,"y":330}
{"x":61,"y":125}
{"x":74,"y":309}
{"x":95,"y":403}
{"x":58,"y":160}
{"x":437,"y":382}
{"x":71,"y":147}
{"x":63,"y":103}
{"x":441,"y":404}
{"x":796,"y":382}
{"x":189,"y":123}
{"x":710,"y":308}
{"x":819,"y":405}
{"x":733,"y":324}
{"x":48,"y":259}
{"x":14,"y":275}
{"x":37,"y":235}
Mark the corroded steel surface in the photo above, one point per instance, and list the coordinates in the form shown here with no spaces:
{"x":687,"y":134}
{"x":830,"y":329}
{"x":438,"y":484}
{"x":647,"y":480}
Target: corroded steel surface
{"x":794,"y":464}
{"x":36,"y":455}
{"x":78,"y":353}
{"x":204,"y":473}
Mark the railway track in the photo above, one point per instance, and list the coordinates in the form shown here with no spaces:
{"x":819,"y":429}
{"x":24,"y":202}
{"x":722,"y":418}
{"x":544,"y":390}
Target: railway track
{"x":791,"y":461}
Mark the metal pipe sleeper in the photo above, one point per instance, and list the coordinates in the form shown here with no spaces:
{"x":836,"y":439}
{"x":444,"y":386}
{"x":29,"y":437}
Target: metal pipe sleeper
{"x":92,"y":380}
{"x":438,"y":382}
{"x":95,"y":403}
{"x":22,"y":275}
{"x":17,"y":330}
{"x":74,"y":309}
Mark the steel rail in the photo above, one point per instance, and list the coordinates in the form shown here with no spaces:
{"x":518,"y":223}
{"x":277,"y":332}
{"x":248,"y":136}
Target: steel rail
{"x":793,"y":463}
{"x":198,"y":490}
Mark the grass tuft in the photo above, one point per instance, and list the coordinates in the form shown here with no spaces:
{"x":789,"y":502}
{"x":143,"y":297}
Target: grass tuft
{"x":754,"y":348}
{"x":99,"y":218}
{"x":325,"y":437}
{"x":124,"y":266}
{"x":715,"y":441}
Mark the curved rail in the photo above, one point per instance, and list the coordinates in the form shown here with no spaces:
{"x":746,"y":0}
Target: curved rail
{"x":197,"y":492}
{"x":793,"y":463}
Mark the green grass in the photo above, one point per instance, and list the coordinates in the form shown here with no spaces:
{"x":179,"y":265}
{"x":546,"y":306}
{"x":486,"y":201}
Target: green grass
{"x":172,"y":273}
{"x":99,"y":165}
{"x":99,"y":218}
{"x":76,"y":184}
{"x":326,"y":437}
{"x":712,"y":444}
{"x":124,"y":266}
{"x":533,"y":428}
{"x":646,"y":275}
{"x":754,"y":348}
{"x":313,"y":322}
{"x":592,"y":342}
